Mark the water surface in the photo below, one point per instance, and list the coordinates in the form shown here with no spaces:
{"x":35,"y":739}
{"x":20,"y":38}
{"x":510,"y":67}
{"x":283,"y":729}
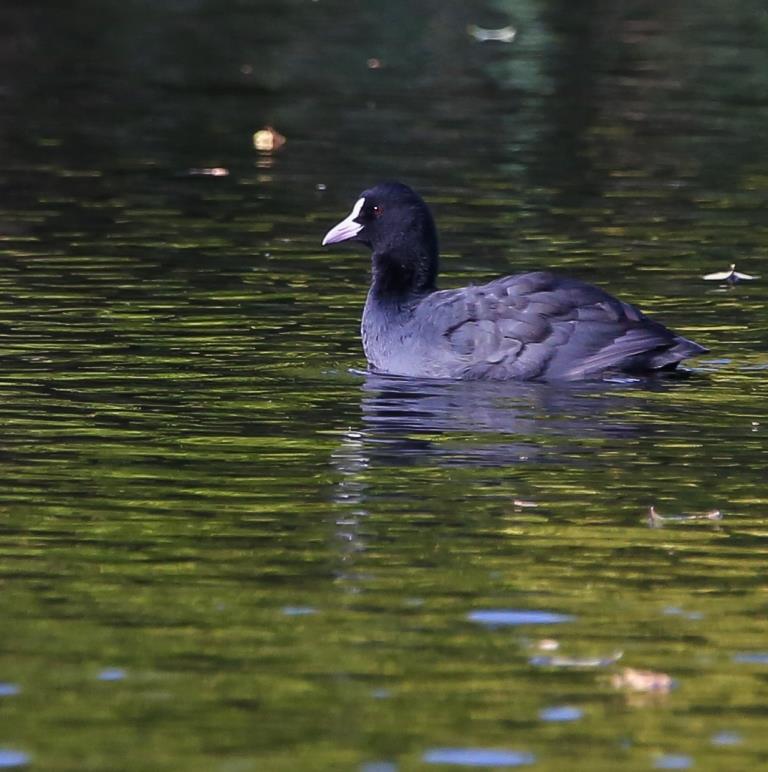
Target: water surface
{"x":222,"y":546}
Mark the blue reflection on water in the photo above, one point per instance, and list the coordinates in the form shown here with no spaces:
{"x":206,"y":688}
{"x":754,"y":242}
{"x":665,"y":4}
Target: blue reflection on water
{"x":726,"y":738}
{"x":10,"y":758}
{"x":298,"y":611}
{"x":111,"y":674}
{"x":561,"y":713}
{"x":751,"y":658}
{"x":479,"y":757}
{"x":673,"y":761}
{"x":672,"y":611}
{"x":379,"y":766}
{"x":508,"y":617}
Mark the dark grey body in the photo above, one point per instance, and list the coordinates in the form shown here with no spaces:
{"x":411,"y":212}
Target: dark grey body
{"x":531,"y":326}
{"x":528,"y":326}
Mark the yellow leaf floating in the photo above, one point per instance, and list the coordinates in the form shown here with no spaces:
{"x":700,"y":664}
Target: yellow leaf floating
{"x":642,"y":681}
{"x":268,"y":139}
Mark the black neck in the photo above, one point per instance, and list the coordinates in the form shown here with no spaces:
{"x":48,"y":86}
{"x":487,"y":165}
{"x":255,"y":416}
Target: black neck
{"x":399,"y":276}
{"x":406,"y":264}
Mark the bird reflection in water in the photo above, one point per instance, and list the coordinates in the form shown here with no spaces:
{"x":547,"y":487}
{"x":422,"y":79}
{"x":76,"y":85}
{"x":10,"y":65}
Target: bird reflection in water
{"x":482,"y":423}
{"x":409,"y":423}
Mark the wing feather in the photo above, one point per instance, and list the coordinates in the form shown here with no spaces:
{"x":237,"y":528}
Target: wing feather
{"x":540,"y":325}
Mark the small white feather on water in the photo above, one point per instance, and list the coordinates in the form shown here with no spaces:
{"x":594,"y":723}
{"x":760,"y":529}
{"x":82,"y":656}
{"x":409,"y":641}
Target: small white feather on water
{"x":502,"y":35}
{"x":731,"y":275}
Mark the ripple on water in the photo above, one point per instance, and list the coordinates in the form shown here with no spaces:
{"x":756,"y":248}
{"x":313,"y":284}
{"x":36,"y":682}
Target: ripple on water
{"x":479,"y":757}
{"x":513,"y":617}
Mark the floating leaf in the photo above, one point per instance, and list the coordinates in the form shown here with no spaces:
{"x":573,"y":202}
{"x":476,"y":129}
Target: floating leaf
{"x":642,"y":681}
{"x":268,"y":139}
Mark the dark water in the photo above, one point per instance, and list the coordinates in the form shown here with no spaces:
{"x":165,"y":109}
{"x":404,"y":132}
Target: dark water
{"x":223,"y":549}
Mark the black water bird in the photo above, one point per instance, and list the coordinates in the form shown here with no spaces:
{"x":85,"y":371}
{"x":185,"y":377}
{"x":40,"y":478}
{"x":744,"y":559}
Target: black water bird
{"x":530,"y":326}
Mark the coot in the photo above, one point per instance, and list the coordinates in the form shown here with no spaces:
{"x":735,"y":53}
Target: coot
{"x":530,"y":326}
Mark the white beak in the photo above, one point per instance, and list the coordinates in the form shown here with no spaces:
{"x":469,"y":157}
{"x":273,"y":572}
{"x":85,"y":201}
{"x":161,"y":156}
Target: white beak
{"x":348,"y":228}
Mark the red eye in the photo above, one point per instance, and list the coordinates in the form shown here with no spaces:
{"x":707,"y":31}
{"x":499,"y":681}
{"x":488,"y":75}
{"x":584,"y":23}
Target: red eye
{"x":377,"y":211}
